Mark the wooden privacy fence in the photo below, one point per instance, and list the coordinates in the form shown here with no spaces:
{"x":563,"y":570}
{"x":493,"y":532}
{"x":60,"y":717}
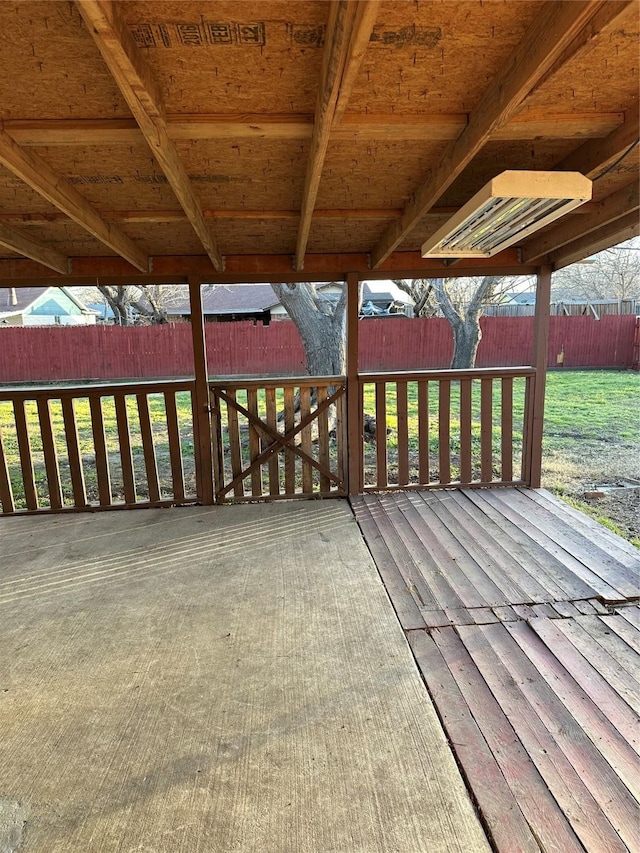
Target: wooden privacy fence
{"x":97,"y":447}
{"x":446,"y":428}
{"x":280,"y":438}
{"x":107,"y":353}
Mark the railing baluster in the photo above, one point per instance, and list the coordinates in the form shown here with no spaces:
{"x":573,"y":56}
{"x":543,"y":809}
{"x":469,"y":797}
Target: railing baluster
{"x":100,"y":449}
{"x":50,"y":454}
{"x":26,"y":460}
{"x":506,"y":428}
{"x":342,"y":460}
{"x":423,"y":432}
{"x":148,"y":448}
{"x":323,"y":440}
{"x":235,"y":449}
{"x":73,"y":452}
{"x":289,"y":459}
{"x":175,"y":445}
{"x":126,"y":456}
{"x":381,"y":434}
{"x":465,"y":431}
{"x":218,"y":444}
{"x":272,"y":421}
{"x":444,"y":430}
{"x":305,"y":441}
{"x":403,"y":433}
{"x":6,"y":492}
{"x":254,"y":443}
{"x":486,"y":430}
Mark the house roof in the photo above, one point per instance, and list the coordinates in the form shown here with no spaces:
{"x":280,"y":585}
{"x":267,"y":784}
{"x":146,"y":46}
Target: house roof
{"x":251,"y":299}
{"x":231,"y":299}
{"x":17,"y":300}
{"x":257,"y":139}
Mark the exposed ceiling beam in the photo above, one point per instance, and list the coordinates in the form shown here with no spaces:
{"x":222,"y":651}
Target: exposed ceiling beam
{"x":348,"y":30}
{"x":363,"y":24}
{"x":615,"y":232}
{"x":24,"y":245}
{"x":527,"y":125}
{"x":595,"y":156}
{"x":606,"y":18}
{"x":150,"y":217}
{"x":37,"y":173}
{"x":545,"y":41}
{"x":132,"y":76}
{"x":617,"y":205}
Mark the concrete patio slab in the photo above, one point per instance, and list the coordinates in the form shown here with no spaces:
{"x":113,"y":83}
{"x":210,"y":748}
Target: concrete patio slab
{"x":213,"y":679}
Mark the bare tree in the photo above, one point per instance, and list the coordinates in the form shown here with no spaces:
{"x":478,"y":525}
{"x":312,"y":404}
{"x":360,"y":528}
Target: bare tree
{"x":465,"y":319}
{"x":460,"y":301}
{"x":420,"y":290}
{"x":612,"y":274}
{"x":321,"y":323}
{"x":136,"y":303}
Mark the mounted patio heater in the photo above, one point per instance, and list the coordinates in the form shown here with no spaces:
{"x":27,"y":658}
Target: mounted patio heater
{"x":506,"y":211}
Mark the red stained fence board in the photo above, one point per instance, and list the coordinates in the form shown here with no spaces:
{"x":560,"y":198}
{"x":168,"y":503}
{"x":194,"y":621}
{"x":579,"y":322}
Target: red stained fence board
{"x":53,"y":353}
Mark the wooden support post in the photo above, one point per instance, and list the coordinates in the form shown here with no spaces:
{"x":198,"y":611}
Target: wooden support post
{"x":201,"y":414}
{"x":354,"y":413}
{"x":540,"y":345}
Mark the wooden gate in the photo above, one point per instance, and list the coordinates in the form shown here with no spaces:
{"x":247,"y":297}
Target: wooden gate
{"x":279,"y":438}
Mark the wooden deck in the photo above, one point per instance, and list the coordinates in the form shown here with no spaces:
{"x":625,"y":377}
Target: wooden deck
{"x":523,"y":618}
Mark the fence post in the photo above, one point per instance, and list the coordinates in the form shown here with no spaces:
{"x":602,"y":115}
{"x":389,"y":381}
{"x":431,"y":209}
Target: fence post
{"x":354,"y":414}
{"x":540,"y":346}
{"x":202,"y":411}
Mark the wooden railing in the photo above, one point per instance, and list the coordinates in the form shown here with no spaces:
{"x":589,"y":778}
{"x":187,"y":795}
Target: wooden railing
{"x":279,"y":438}
{"x":432,"y":429}
{"x":96,"y":447}
{"x":108,"y":446}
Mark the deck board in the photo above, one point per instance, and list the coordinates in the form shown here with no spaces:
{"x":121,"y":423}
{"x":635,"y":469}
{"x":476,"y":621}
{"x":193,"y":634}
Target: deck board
{"x":536,"y":673}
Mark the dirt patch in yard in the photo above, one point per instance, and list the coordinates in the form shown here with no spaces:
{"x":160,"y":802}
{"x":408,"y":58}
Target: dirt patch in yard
{"x":575,"y":471}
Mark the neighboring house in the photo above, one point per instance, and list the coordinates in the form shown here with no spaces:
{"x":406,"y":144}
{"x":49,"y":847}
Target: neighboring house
{"x":259,"y":303}
{"x":42,"y":306}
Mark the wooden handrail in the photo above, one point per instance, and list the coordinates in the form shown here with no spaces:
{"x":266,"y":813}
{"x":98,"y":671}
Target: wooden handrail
{"x":237,"y":384}
{"x":60,"y":392}
{"x":452,"y":375}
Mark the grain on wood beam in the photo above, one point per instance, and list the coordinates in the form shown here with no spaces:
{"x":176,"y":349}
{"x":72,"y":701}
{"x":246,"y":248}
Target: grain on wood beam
{"x":24,"y":245}
{"x":527,"y":125}
{"x":609,"y":235}
{"x":596,"y":155}
{"x":37,"y":173}
{"x":132,"y":76}
{"x":547,"y":39}
{"x":614,"y":207}
{"x":348,"y":29}
{"x":606,"y":18}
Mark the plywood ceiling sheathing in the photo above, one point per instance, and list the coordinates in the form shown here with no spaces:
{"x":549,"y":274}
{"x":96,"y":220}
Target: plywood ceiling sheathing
{"x":553,"y":33}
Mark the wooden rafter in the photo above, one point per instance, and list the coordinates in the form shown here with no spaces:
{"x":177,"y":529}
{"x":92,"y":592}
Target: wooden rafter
{"x":37,"y":173}
{"x":146,"y":217}
{"x":348,"y":30}
{"x":527,"y":125}
{"x":596,"y":155}
{"x":546,"y":40}
{"x":617,"y":205}
{"x":136,"y":83}
{"x":617,"y":231}
{"x":17,"y":241}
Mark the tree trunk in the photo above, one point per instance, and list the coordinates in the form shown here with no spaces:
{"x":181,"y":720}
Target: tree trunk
{"x":321,"y":327}
{"x":466,"y":337}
